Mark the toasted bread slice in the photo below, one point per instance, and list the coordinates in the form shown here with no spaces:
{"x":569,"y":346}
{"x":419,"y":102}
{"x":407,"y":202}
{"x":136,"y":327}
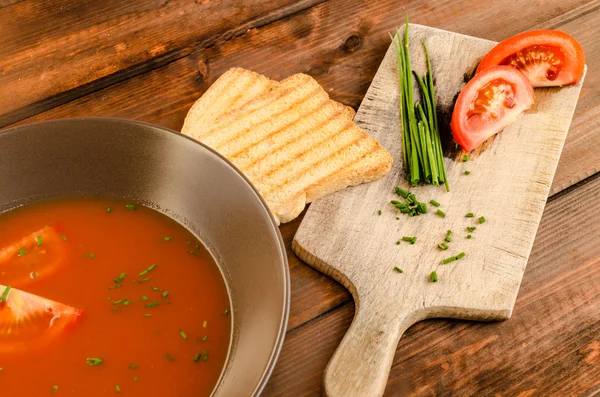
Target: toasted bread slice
{"x":292,"y":141}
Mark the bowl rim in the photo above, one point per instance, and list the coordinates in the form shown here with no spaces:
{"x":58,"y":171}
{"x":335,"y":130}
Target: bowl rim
{"x":284,"y":259}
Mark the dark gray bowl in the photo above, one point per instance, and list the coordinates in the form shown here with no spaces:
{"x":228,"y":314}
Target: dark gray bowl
{"x":185,"y":180}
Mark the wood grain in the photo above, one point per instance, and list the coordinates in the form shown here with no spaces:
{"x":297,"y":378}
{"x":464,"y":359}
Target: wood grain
{"x":549,"y":347}
{"x":53,"y":54}
{"x":343,"y":236}
{"x":341,"y":43}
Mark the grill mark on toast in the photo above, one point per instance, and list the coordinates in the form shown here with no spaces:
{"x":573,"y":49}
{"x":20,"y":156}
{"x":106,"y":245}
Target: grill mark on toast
{"x":299,"y":101}
{"x":313,"y":165}
{"x":335,"y":114}
{"x":325,"y":139}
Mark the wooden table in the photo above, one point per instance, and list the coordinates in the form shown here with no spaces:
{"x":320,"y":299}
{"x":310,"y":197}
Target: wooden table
{"x":150,"y":60}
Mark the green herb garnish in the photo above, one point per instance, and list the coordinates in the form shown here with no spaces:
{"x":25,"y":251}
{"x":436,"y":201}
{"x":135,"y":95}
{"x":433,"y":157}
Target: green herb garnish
{"x":379,"y":212}
{"x":5,"y":294}
{"x":165,"y":294}
{"x":117,"y":302}
{"x":150,"y":268}
{"x":205,"y":338}
{"x":440,"y":213}
{"x":398,"y":242}
{"x":144,"y":298}
{"x":167,"y":238}
{"x":133,"y":365}
{"x":434,"y":203}
{"x":396,"y":268}
{"x":448,"y":236}
{"x":108,"y":210}
{"x":91,"y":255}
{"x":94,"y":361}
{"x":469,"y":215}
{"x":120,"y":278}
{"x":130,"y":207}
{"x":152,"y":304}
{"x":433,"y":277}
{"x":147,"y":315}
{"x":193,"y":253}
{"x":38,"y":240}
{"x":469,"y":236}
{"x":143,"y":280}
{"x":453,"y":258}
{"x":471,"y":228}
{"x":197,"y":357}
{"x":155,"y":289}
{"x":481,"y":219}
{"x":226,"y":312}
{"x":465,"y":158}
{"x":117,"y":388}
{"x":467,"y":172}
{"x":22,"y":252}
{"x":205,"y":355}
{"x":183,"y":334}
{"x":443,"y":246}
{"x":54,"y":389}
{"x":126,"y":302}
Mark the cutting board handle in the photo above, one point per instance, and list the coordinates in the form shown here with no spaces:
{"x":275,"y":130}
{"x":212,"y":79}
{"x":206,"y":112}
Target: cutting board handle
{"x":361,"y":364}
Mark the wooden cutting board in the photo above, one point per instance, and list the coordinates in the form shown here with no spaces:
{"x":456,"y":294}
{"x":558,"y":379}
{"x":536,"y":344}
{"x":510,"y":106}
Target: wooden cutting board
{"x":343,"y":236}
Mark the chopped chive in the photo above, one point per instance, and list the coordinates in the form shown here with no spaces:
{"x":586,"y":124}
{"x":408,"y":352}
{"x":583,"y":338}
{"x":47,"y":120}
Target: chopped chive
{"x":205,"y":355}
{"x":64,"y":238}
{"x":94,"y":361}
{"x":469,"y":236}
{"x":34,"y":275}
{"x":155,"y":289}
{"x":467,"y":172}
{"x":407,"y":239}
{"x":448,"y":239}
{"x":22,"y":252}
{"x":5,"y":294}
{"x":460,"y":256}
{"x":396,"y":268}
{"x":226,"y":312}
{"x":471,"y":228}
{"x":109,"y":298}
{"x":130,"y":207}
{"x":205,"y":338}
{"x":152,"y":304}
{"x":197,"y":357}
{"x":433,"y":277}
{"x":169,"y":357}
{"x":126,"y":302}
{"x":379,"y":212}
{"x":54,"y":389}
{"x":133,"y":365}
{"x":144,"y":280}
{"x":108,"y":209}
{"x":193,"y":253}
{"x":443,"y":246}
{"x":481,"y":219}
{"x":449,"y":260}
{"x":117,"y":302}
{"x":119,"y":278}
{"x":167,"y":238}
{"x":398,"y":242}
{"x":469,"y":215}
{"x":150,"y":268}
{"x":165,"y":294}
{"x":441,"y":213}
{"x":115,"y":286}
{"x":465,"y":157}
{"x":434,"y":203}
{"x":147,"y":315}
{"x":397,"y":218}
{"x":38,"y":240}
{"x":144,"y":298}
{"x":117,"y":388}
{"x":91,"y":255}
{"x":183,"y":334}
{"x":401,"y":192}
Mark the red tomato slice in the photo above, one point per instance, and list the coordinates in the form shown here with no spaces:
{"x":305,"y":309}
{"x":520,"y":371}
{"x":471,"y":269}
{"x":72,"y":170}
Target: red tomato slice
{"x":28,"y":320}
{"x":32,"y":258}
{"x":493,"y":99}
{"x":547,"y":57}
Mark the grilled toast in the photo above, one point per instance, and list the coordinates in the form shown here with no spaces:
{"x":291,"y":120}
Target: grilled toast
{"x":291,"y":141}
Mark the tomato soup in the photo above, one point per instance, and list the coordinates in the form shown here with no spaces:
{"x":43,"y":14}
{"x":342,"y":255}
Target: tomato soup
{"x":108,"y":297}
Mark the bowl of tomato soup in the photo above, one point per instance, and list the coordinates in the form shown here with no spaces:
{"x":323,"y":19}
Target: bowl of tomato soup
{"x":133,"y":261}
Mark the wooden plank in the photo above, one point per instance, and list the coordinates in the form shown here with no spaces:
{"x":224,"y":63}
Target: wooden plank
{"x":343,"y":236}
{"x":550,"y":346}
{"x":53,"y":54}
{"x":342,"y":46}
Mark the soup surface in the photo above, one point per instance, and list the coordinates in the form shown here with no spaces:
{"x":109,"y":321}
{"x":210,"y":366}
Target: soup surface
{"x":107,"y":297}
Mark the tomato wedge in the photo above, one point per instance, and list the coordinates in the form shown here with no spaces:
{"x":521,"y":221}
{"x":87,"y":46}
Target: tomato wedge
{"x":28,"y":320}
{"x":32,"y":258}
{"x":493,"y":99}
{"x":547,"y":57}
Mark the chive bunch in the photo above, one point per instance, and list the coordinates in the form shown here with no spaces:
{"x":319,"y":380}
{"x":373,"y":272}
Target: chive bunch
{"x":411,"y":205}
{"x":421,"y":144}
